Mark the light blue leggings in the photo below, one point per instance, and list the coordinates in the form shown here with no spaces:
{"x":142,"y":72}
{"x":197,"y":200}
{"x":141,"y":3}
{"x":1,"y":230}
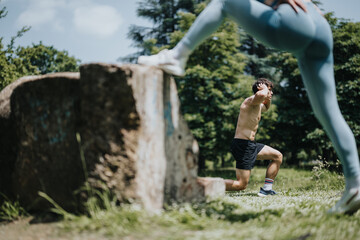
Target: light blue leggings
{"x":308,"y":36}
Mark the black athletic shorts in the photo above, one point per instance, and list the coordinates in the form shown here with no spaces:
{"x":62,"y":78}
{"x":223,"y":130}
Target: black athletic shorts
{"x":245,"y":152}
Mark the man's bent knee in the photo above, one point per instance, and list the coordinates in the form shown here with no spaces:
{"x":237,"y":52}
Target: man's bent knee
{"x":277,"y":157}
{"x":239,"y":186}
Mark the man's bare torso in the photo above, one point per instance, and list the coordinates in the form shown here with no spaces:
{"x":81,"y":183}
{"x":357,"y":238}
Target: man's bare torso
{"x":248,"y":120}
{"x":250,"y":112}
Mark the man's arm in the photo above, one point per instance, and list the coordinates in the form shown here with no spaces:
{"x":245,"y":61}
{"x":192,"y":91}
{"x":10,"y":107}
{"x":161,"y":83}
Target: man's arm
{"x":266,"y":105}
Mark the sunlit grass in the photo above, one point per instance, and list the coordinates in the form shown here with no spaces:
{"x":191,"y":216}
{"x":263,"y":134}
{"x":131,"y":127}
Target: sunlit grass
{"x":297,"y":212}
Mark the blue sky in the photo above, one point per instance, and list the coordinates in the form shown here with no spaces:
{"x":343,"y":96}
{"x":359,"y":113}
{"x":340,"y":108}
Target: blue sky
{"x":96,"y":30}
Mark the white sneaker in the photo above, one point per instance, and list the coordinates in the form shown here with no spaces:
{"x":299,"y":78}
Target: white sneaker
{"x":348,"y":204}
{"x":166,"y":61}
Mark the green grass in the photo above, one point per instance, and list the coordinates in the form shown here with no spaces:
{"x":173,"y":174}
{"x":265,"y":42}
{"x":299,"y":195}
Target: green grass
{"x":10,"y":211}
{"x":297,"y":212}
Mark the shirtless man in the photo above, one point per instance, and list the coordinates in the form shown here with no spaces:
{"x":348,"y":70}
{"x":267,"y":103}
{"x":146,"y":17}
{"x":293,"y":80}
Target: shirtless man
{"x":243,"y":147}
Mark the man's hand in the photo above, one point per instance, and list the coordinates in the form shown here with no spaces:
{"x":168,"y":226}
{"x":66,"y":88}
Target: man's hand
{"x":293,"y":4}
{"x":262,"y":86}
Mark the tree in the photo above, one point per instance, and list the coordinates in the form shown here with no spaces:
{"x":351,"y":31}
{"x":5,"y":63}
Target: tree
{"x":163,"y":15}
{"x":9,"y":71}
{"x":46,"y":59}
{"x":16,"y":62}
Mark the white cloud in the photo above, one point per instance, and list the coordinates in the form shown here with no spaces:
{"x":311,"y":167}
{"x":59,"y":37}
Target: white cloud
{"x":98,"y":20}
{"x":40,"y":12}
{"x":34,"y":18}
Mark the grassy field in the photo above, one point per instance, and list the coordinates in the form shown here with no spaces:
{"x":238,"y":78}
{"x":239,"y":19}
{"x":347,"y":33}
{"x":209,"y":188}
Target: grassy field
{"x":297,"y":212}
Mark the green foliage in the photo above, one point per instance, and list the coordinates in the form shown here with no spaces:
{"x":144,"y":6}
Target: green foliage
{"x":258,"y":63}
{"x":57,"y":208}
{"x":46,"y":59}
{"x":16,"y":62}
{"x":164,"y":16}
{"x":324,"y":178}
{"x":11,"y":67}
{"x":37,"y":59}
{"x":102,"y":215}
{"x":11,"y":210}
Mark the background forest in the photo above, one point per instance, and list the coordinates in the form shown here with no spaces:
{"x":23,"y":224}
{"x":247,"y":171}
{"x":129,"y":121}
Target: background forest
{"x":219,"y":77}
{"x":221,"y":71}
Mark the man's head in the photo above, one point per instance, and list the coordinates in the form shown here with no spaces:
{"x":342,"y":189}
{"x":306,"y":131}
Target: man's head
{"x":255,"y":86}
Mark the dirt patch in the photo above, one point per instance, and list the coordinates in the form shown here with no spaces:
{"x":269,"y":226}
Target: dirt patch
{"x":26,"y":229}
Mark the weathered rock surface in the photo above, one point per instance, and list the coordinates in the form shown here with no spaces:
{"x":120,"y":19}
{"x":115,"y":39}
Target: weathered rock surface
{"x":43,"y":111}
{"x":134,"y":137}
{"x":123,"y":130}
{"x":181,"y":151}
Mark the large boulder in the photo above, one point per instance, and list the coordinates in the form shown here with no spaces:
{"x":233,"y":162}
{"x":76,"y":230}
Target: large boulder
{"x":41,"y":112}
{"x":112,"y":127}
{"x":7,"y":140}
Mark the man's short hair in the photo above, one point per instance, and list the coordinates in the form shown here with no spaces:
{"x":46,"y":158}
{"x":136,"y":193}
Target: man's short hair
{"x":265,"y":81}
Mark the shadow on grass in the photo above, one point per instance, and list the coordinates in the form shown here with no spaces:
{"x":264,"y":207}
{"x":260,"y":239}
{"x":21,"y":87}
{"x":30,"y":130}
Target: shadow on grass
{"x":244,"y":217}
{"x":247,"y":216}
{"x":230,"y":212}
{"x":303,"y":237}
{"x":228,"y":173}
{"x":241,"y":194}
{"x":45,"y":217}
